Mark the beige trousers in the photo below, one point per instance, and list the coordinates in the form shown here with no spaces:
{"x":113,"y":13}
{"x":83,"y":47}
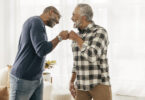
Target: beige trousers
{"x":100,"y":92}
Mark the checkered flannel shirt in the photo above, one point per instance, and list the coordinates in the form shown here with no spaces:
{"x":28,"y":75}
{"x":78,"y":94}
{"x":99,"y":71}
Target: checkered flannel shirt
{"x":90,"y":62}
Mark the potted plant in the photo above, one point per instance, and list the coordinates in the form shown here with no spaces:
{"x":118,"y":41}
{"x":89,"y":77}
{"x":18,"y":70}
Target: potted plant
{"x":46,"y":72}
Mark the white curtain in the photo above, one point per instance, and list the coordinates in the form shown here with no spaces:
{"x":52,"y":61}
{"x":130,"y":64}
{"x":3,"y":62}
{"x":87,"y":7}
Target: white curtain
{"x":127,"y":56}
{"x":9,"y":20}
{"x":123,"y":19}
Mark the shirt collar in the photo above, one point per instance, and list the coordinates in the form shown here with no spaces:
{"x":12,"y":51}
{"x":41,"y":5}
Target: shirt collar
{"x":87,"y":29}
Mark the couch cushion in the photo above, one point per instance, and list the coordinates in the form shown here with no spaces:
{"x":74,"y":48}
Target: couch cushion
{"x":8,"y":81}
{"x":4,"y":76}
{"x":4,"y":94}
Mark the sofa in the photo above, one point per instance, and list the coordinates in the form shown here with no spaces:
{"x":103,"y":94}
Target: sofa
{"x":5,"y":85}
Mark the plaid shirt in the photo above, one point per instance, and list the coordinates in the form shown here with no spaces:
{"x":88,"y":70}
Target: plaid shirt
{"x":90,"y":62}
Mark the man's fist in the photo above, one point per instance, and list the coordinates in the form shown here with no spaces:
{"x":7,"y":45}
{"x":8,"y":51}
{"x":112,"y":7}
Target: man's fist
{"x":64,"y":35}
{"x":73,"y":36}
{"x":76,"y":37}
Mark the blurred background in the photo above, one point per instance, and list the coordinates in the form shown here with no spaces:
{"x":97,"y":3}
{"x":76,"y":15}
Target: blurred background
{"x":123,"y":19}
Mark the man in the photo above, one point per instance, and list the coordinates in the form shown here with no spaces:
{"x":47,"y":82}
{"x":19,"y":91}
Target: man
{"x":90,"y":57}
{"x":26,"y":81}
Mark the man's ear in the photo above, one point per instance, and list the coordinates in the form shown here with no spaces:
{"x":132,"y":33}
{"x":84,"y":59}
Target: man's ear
{"x":84,"y":18}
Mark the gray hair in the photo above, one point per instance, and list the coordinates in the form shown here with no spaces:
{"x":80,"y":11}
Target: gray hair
{"x":86,"y":10}
{"x":47,"y":9}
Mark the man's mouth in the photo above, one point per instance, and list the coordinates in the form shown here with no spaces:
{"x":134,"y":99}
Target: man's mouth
{"x":76,"y":24}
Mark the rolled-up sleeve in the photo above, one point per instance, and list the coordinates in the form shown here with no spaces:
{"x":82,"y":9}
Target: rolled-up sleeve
{"x":93,"y":51}
{"x":39,"y":39}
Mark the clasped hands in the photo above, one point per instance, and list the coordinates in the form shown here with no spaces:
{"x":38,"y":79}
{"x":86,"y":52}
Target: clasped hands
{"x":69,"y":35}
{"x":72,"y":36}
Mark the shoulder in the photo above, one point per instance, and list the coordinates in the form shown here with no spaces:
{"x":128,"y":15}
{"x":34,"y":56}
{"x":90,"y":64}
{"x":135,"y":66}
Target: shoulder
{"x":98,"y":29}
{"x":34,"y":20}
{"x":36,"y":23}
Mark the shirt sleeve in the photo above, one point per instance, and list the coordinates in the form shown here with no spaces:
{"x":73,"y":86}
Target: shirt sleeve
{"x":39,"y":39}
{"x":93,"y":51}
{"x":74,"y":65}
{"x":74,"y":69}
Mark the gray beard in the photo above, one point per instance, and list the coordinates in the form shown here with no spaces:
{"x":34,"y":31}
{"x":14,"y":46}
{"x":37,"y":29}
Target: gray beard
{"x":77,"y":24}
{"x":49,"y":23}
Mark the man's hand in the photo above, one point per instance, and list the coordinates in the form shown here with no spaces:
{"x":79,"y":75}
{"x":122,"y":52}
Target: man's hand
{"x":73,"y":36}
{"x":72,"y":89}
{"x":64,"y":35}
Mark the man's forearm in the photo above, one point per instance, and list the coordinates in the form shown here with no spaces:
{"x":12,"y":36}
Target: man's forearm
{"x":55,"y":41}
{"x":73,"y":77}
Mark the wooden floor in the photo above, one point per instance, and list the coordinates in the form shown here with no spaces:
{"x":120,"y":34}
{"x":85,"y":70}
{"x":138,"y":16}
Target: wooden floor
{"x":119,"y":97}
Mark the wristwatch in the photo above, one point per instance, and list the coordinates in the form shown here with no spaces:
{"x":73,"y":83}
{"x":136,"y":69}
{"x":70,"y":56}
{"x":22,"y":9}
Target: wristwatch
{"x":59,"y":38}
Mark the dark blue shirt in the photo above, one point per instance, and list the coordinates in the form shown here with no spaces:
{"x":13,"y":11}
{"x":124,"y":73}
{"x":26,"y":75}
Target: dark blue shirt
{"x":32,"y":49}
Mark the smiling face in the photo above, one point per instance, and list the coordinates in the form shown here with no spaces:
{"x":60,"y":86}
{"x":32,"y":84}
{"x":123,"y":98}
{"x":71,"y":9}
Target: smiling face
{"x":77,"y":18}
{"x":53,"y":19}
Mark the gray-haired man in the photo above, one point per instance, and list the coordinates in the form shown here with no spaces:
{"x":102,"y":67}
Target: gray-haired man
{"x":89,"y":48}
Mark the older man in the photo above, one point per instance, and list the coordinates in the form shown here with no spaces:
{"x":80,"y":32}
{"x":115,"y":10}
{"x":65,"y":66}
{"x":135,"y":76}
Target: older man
{"x":26,"y":81}
{"x":90,"y":57}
